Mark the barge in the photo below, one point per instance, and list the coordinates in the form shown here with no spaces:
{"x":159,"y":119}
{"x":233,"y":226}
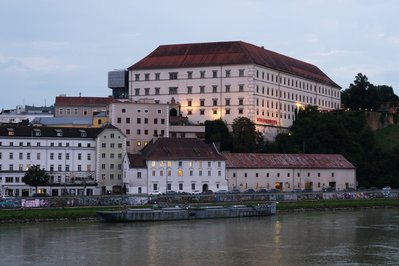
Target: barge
{"x":187,"y":213}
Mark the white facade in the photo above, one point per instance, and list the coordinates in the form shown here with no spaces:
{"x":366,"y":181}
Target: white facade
{"x":287,"y":180}
{"x":179,"y":165}
{"x":288,"y":172}
{"x":269,"y":97}
{"x":180,"y":176}
{"x":70,"y":157}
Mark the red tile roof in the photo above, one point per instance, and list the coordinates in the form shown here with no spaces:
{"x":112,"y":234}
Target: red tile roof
{"x":82,"y":101}
{"x":137,"y":161}
{"x":181,"y":149}
{"x":304,"y":161}
{"x":228,"y":53}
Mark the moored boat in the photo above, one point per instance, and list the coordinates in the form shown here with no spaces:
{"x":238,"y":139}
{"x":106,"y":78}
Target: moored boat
{"x":187,"y":213}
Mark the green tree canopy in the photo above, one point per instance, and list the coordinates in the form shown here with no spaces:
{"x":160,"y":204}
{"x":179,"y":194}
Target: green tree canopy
{"x":35,"y":177}
{"x":361,"y":94}
{"x":244,"y":135}
{"x":216,"y":131}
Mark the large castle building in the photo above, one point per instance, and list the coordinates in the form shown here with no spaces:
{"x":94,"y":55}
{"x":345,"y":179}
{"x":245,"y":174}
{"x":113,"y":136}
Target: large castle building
{"x":226,"y":80}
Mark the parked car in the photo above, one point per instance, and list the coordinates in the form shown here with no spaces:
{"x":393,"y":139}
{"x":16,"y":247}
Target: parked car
{"x":235,"y":191}
{"x":274,"y":190}
{"x":41,"y":195}
{"x":307,"y":190}
{"x":207,"y":192}
{"x":329,"y":189}
{"x":249,"y":191}
{"x":171,"y":192}
{"x":222,"y":191}
{"x":297,"y":190}
{"x":262,"y":190}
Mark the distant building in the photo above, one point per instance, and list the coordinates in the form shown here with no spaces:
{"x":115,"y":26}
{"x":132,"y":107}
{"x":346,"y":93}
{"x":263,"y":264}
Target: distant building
{"x":73,"y":158}
{"x":118,"y":81}
{"x":287,"y":172}
{"x":25,"y":113}
{"x":173,"y":164}
{"x":66,"y":106}
{"x":225,"y":80}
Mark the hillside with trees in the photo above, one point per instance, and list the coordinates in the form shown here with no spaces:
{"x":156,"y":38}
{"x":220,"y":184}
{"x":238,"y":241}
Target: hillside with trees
{"x":374,"y":153}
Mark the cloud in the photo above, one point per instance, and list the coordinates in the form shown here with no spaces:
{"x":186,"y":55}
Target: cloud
{"x":334,"y":52}
{"x":34,"y":63}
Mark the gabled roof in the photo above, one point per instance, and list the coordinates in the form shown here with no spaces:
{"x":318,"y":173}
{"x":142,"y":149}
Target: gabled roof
{"x":228,"y":53}
{"x":137,"y":161}
{"x":304,"y":161}
{"x":181,"y":149}
{"x":82,"y":101}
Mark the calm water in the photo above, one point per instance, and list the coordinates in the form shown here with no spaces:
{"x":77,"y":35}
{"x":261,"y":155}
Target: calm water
{"x":365,"y":237}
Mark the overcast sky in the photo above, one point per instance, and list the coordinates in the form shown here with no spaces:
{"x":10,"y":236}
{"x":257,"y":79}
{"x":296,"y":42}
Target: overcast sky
{"x":48,"y":47}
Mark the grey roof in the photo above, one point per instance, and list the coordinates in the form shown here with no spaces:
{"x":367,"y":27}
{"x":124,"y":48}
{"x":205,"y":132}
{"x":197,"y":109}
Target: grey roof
{"x":62,"y":121}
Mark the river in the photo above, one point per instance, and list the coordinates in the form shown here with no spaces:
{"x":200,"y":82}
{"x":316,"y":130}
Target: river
{"x":345,"y":237}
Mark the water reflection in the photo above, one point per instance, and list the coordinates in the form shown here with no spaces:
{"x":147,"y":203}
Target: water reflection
{"x":311,"y":238}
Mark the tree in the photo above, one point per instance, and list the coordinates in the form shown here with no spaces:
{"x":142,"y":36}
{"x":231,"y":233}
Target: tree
{"x":216,"y":131}
{"x":35,"y":177}
{"x":244,"y":135}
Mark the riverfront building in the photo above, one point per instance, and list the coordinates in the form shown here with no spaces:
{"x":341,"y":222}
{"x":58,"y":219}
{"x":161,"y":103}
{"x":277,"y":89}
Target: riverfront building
{"x":73,"y":158}
{"x":287,"y":172}
{"x":169,"y":165}
{"x":225,"y":80}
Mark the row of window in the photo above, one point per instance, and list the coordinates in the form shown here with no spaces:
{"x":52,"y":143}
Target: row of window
{"x":159,"y":111}
{"x":111,"y":176}
{"x":111,"y":166}
{"x":281,"y":80}
{"x":75,"y":112}
{"x":175,"y":90}
{"x":180,"y":172}
{"x":38,"y":156}
{"x":189,"y":75}
{"x":39,"y":144}
{"x":288,"y":174}
{"x":194,"y":188}
{"x":51,"y":169}
{"x":180,"y":163}
{"x":139,"y":120}
{"x":146,"y":132}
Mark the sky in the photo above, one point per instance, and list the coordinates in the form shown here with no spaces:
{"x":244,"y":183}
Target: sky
{"x":49,"y":48}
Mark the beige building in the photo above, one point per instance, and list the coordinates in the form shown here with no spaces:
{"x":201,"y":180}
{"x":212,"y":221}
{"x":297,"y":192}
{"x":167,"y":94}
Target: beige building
{"x":140,"y":121}
{"x":111,"y":146}
{"x":287,"y":172}
{"x":80,"y":106}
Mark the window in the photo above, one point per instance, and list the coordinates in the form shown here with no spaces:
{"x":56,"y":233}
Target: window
{"x":147,"y":76}
{"x":202,"y":102}
{"x":146,"y":91}
{"x":137,"y":77}
{"x":157,"y":76}
{"x":172,"y":90}
{"x":215,"y":102}
{"x":51,"y":156}
{"x":155,"y":186}
{"x":228,"y":72}
{"x":202,"y":74}
{"x":215,"y":111}
{"x":157,"y":91}
{"x":172,"y":75}
{"x":189,"y":74}
{"x":202,"y":111}
{"x":227,"y":88}
{"x":214,"y":89}
{"x":240,"y":88}
{"x":138,"y":174}
{"x":241,"y":72}
{"x":240,"y":101}
{"x":189,"y":103}
{"x":192,"y":186}
{"x":189,"y":112}
{"x":189,"y":90}
{"x":119,"y":120}
{"x":127,"y":120}
{"x":180,"y":186}
{"x":202,"y":89}
{"x":240,"y":111}
{"x":214,"y":73}
{"x":137,"y":91}
{"x":89,"y":157}
{"x":227,"y":111}
{"x":145,"y":120}
{"x":20,"y":156}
